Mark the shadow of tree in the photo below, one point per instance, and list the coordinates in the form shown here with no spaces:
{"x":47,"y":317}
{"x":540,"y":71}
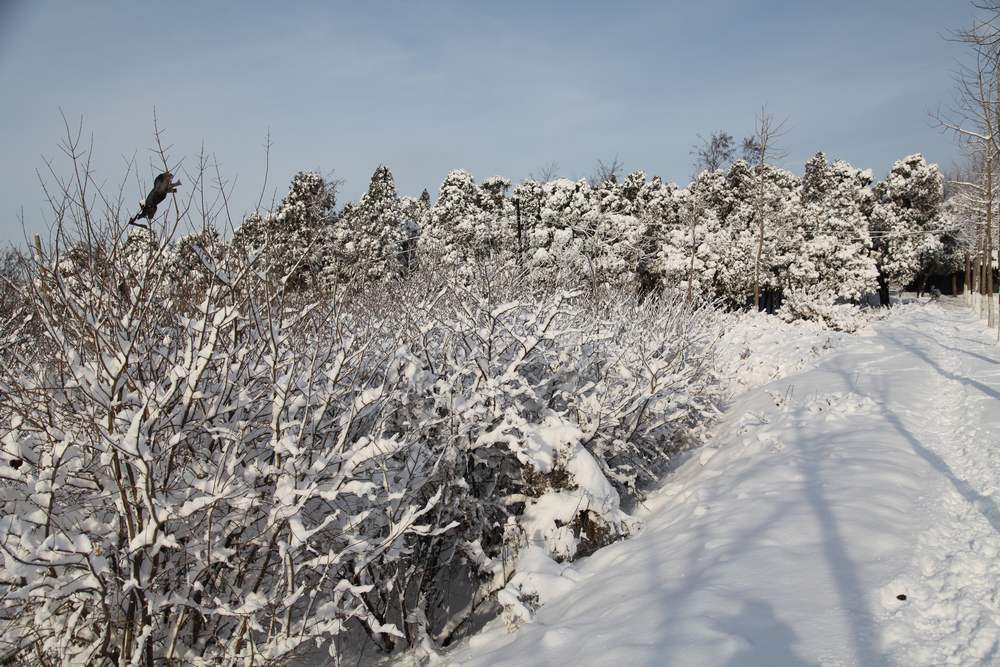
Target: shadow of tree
{"x":843,"y":570}
{"x":984,"y":504}
{"x":769,"y":641}
{"x":943,"y":372}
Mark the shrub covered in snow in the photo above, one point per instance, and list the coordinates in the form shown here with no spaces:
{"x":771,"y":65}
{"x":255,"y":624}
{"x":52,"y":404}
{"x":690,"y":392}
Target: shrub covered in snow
{"x":204,"y":484}
{"x":236,"y":476}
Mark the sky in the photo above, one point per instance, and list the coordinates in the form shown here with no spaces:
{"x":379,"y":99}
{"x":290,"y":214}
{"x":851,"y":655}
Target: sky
{"x":493,"y":88}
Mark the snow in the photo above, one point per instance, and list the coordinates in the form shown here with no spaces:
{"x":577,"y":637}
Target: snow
{"x":820,"y":499}
{"x":758,"y":348}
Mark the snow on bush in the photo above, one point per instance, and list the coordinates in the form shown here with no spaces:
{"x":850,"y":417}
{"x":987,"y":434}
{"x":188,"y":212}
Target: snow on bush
{"x":203,"y":484}
{"x":231,"y":472}
{"x":546,"y":413}
{"x":823,"y":308}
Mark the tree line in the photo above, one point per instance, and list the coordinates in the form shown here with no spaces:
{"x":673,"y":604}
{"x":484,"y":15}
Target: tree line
{"x":747,"y":235}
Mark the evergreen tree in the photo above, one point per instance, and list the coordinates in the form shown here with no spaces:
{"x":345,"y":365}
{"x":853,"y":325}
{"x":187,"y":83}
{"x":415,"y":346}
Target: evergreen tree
{"x":568,"y":219}
{"x":368,"y":238}
{"x":527,"y":203}
{"x":830,"y":256}
{"x":745,"y":194}
{"x":658,"y":208}
{"x":457,"y":232}
{"x":414,"y":214}
{"x":608,"y":198}
{"x":631,"y":190}
{"x":905,"y":220}
{"x":814,"y":178}
{"x":689,"y":255}
{"x":291,"y":243}
{"x":498,"y":216}
{"x":195,"y":260}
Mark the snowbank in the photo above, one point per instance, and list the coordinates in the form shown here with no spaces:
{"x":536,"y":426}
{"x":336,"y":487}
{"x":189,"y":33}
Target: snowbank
{"x":758,"y":348}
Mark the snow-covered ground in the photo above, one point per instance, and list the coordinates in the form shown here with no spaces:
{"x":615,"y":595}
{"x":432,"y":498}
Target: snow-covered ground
{"x":791,"y":539}
{"x":757,"y":348}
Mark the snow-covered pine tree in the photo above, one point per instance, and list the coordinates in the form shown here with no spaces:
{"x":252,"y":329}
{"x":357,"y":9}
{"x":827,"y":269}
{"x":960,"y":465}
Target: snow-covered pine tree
{"x":290,"y":244}
{"x":612,"y":233}
{"x":688,"y":256}
{"x":414,"y":213}
{"x":498,"y":216}
{"x":814,"y":178}
{"x":829,"y":257}
{"x":748,"y":193}
{"x":613,"y":249}
{"x":732,"y":202}
{"x":631,"y":191}
{"x":956,"y":238}
{"x":658,"y":208}
{"x":195,"y":260}
{"x":905,"y":220}
{"x":368,"y":239}
{"x":608,"y":197}
{"x":557,"y":243}
{"x":457,"y":232}
{"x":527,"y":202}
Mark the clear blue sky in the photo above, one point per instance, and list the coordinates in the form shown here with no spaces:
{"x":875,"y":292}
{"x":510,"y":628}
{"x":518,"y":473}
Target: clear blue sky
{"x":495,"y":88}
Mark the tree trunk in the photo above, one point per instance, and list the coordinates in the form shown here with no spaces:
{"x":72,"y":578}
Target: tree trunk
{"x":954,"y":283}
{"x":883,"y":290}
{"x":980,"y":283}
{"x":691,"y":266}
{"x":756,"y":268}
{"x":517,"y":213}
{"x":967,"y":287}
{"x":977,"y":271}
{"x":988,"y":245}
{"x":760,"y":224}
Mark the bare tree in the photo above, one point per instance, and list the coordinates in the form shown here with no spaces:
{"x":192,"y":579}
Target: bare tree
{"x":714,"y":153}
{"x":974,"y":196}
{"x":759,"y":149}
{"x":975,"y":119}
{"x":606,"y":171}
{"x":964,"y":197}
{"x":546,"y":172}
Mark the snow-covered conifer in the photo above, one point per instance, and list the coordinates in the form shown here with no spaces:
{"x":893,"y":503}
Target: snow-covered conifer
{"x":557,"y":242}
{"x":414,"y":212}
{"x":457,"y":232}
{"x":368,"y":239}
{"x":527,"y":202}
{"x":291,"y":243}
{"x":830,"y":259}
{"x":499,"y":215}
{"x":905,"y":221}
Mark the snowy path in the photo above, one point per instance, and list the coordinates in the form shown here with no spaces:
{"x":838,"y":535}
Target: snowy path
{"x":824,"y":496}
